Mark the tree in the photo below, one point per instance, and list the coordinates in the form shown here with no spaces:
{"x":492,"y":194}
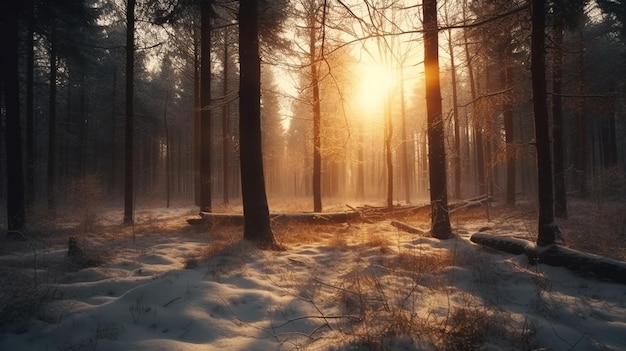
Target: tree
{"x":255,"y":209}
{"x":565,"y":15}
{"x":129,"y":149}
{"x":506,"y":76}
{"x":456,"y":148}
{"x":30,"y":120}
{"x":225,"y":120}
{"x":477,"y":127}
{"x":560,"y":199}
{"x":9,"y":93}
{"x":205,"y":102}
{"x":312,"y":9}
{"x":546,"y":227}
{"x":440,"y":221}
{"x":455,"y":118}
{"x":52,"y":121}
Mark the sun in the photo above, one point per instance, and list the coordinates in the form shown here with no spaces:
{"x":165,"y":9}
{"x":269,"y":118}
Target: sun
{"x":374,"y":82}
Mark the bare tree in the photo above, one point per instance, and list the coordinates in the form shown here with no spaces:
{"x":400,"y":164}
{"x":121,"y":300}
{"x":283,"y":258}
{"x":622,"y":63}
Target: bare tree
{"x":312,"y":10}
{"x":546,"y":227}
{"x":440,"y":220}
{"x":129,"y":149}
{"x":476,"y":124}
{"x":255,"y":209}
{"x":205,"y":102}
{"x":9,"y":91}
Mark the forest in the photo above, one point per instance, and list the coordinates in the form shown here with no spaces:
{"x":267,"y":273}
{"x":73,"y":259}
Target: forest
{"x":145,"y":105}
{"x":293,"y":122}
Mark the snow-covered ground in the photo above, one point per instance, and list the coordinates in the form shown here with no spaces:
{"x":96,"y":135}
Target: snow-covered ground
{"x":165,"y":285}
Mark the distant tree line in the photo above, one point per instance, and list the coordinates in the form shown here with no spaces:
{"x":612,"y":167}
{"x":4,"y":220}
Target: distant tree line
{"x":146,"y":98}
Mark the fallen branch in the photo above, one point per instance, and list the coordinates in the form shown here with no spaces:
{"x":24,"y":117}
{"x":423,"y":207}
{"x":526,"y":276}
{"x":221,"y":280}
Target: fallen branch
{"x":360,"y":213}
{"x":172,"y":300}
{"x":476,"y":201}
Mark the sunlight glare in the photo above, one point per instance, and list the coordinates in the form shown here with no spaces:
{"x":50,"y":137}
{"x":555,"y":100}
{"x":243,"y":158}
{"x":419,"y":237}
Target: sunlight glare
{"x":375,"y":82}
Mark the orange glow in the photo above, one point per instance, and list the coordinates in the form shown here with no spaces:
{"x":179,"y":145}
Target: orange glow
{"x":375,"y":81}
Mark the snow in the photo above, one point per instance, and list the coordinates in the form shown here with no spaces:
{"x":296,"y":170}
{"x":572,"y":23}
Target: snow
{"x":358,"y":286}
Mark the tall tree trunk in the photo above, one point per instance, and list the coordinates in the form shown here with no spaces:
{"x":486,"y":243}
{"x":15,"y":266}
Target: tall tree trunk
{"x":406,"y":172}
{"x":197,"y":150}
{"x":360,"y":178}
{"x":52,"y":127}
{"x":546,"y":227}
{"x":509,"y":135}
{"x":317,"y":116}
{"x":455,"y":118}
{"x":205,"y":101}
{"x":114,"y":148}
{"x":225,"y":124}
{"x":581,"y":123}
{"x":388,"y":129}
{"x":168,"y":152}
{"x":255,"y":209}
{"x":82,"y":125}
{"x":440,"y":226}
{"x":608,"y":136}
{"x":9,"y":88}
{"x":476,"y":125}
{"x":130,"y":110}
{"x":560,"y":199}
{"x":30,"y":120}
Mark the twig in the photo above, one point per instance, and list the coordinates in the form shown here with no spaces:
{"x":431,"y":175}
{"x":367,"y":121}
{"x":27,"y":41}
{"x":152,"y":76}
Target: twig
{"x":317,"y":317}
{"x":172,"y":300}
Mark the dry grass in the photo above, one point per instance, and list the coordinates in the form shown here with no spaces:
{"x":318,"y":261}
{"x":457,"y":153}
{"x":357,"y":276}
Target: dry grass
{"x":421,"y":262}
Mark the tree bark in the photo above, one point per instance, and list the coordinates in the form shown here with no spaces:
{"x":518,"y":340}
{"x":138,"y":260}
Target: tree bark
{"x":205,"y":103}
{"x":30,"y":120}
{"x":255,"y":209}
{"x":9,"y":88}
{"x":317,"y":115}
{"x":560,"y":199}
{"x":52,"y":126}
{"x":546,"y":228}
{"x":580,"y":121}
{"x":436,"y":156}
{"x":608,"y":136}
{"x":476,"y":124}
{"x":129,"y":148}
{"x":225,"y":124}
{"x":455,"y":119}
{"x":388,"y":152}
{"x":168,"y":152}
{"x":197,"y":107}
{"x":406,"y":172}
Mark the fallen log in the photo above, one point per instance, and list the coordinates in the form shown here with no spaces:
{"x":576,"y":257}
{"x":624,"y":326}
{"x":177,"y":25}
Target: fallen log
{"x":586,"y":263}
{"x":554,"y":255}
{"x":407,"y":228}
{"x":309,"y":218}
{"x":511,"y":245}
{"x":314,"y":217}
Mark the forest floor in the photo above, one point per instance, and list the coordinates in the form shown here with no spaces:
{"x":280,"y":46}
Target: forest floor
{"x":163,"y":284}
